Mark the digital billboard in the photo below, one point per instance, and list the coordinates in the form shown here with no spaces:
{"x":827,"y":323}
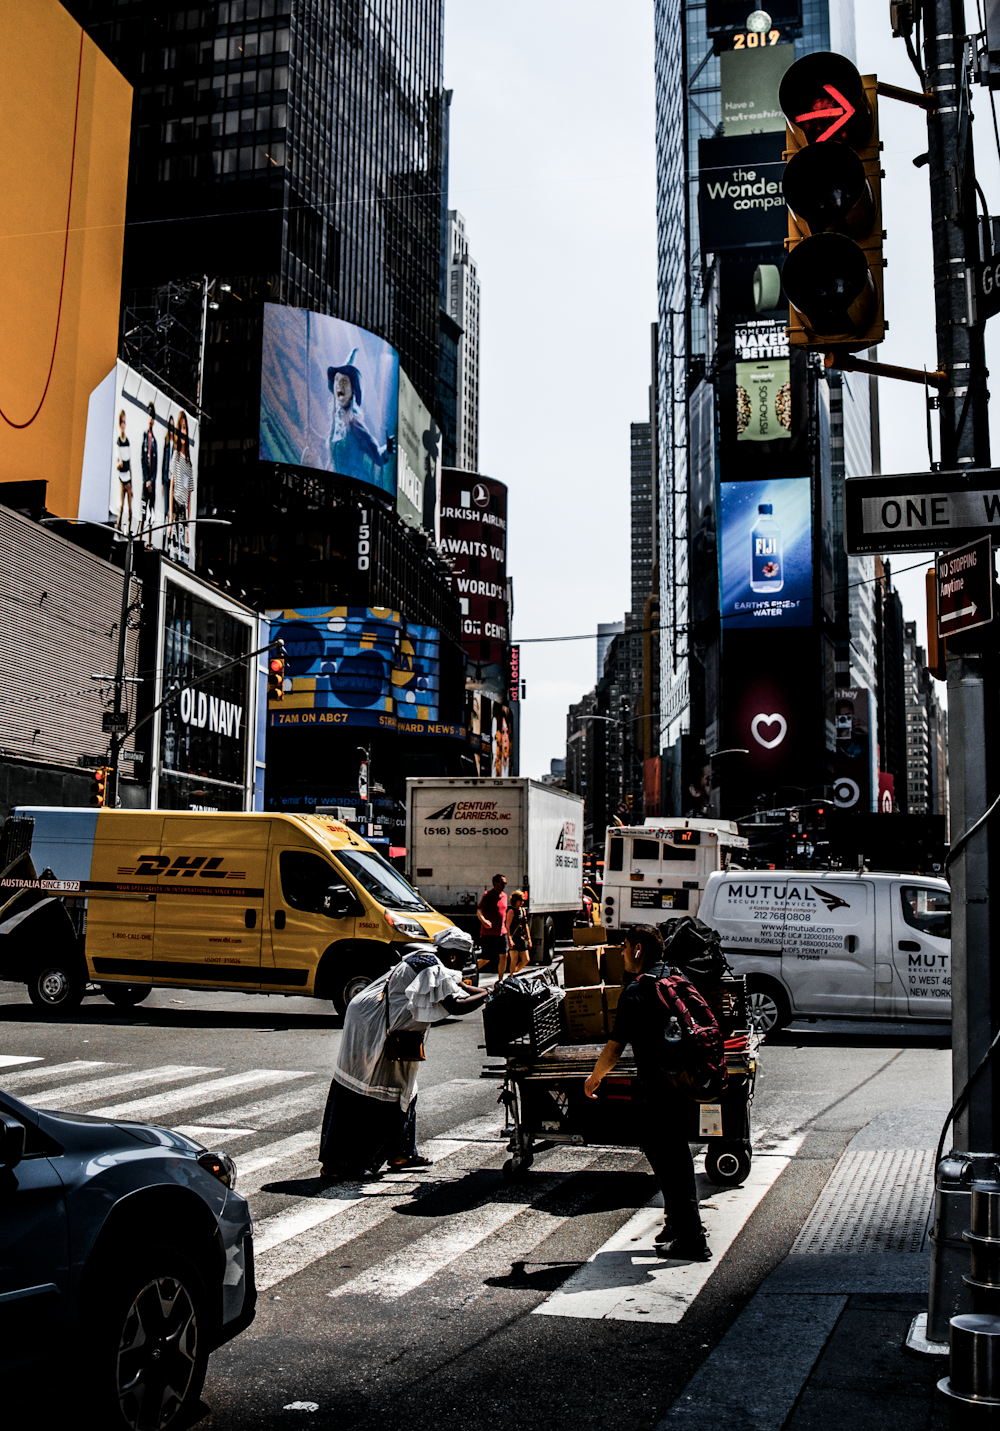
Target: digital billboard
{"x":749,"y":81}
{"x":204,"y":735}
{"x":140,"y":470}
{"x":766,"y":573}
{"x":474,"y":538}
{"x":729,"y":17}
{"x":329,"y":395}
{"x":763,"y":400}
{"x":740,"y":202}
{"x":771,"y":712}
{"x":356,"y":665}
{"x":418,"y":459}
{"x":855,"y":767}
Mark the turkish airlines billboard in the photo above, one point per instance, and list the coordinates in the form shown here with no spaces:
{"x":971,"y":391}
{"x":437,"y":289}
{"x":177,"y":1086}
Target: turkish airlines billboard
{"x":474,"y":538}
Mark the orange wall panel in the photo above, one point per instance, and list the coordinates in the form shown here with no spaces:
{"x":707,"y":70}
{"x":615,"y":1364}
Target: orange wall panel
{"x":65,"y":115}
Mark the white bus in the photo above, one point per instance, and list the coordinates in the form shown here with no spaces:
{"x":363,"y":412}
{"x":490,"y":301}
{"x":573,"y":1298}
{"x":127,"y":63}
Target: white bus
{"x":658,"y":871}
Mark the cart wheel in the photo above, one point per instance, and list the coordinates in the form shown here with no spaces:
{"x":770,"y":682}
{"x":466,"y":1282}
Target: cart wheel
{"x":514,"y":1169}
{"x":727,"y":1167}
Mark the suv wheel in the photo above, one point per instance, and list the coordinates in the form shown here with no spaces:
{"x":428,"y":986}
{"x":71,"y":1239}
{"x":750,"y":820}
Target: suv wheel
{"x":152,"y":1341}
{"x":58,"y":983}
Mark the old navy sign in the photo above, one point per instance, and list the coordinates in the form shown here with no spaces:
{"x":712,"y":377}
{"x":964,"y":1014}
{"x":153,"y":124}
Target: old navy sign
{"x":921,"y":511}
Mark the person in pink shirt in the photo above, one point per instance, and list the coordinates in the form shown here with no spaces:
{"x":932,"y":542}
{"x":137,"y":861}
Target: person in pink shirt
{"x":492,"y":912}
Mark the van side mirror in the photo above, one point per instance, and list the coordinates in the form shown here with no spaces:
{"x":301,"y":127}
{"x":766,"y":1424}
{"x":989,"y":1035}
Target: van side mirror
{"x":338,"y":902}
{"x":12,"y":1136}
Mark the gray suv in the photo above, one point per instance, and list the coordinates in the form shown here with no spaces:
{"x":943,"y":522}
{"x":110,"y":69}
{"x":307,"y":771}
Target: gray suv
{"x":127,"y":1244}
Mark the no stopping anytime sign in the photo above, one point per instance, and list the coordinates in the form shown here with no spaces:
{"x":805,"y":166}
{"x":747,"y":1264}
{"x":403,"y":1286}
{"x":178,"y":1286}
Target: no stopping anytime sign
{"x":965,"y":588}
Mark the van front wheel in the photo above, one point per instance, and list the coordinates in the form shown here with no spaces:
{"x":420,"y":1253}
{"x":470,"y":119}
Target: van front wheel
{"x":768,"y":1006}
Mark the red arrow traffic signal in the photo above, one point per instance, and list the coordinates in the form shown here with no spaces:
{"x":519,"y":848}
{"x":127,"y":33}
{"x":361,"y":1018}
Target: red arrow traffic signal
{"x":841,"y":112}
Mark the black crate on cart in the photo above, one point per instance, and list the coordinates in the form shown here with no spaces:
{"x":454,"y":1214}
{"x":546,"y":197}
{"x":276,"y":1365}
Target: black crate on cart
{"x":517,"y":1028}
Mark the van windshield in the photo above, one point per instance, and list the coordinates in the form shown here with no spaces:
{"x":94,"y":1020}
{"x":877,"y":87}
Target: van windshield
{"x":379,"y":878}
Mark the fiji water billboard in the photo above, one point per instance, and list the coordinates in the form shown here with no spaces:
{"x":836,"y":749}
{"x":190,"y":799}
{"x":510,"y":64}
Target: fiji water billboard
{"x":766,"y":553}
{"x":329,"y":397}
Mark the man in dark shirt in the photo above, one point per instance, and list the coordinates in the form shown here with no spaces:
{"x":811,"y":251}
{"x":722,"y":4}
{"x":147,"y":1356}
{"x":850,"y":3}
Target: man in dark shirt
{"x":492,"y":913}
{"x":663,"y":1110}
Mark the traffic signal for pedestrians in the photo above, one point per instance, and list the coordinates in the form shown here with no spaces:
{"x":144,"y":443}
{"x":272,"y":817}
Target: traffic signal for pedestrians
{"x":832,"y":185}
{"x":99,"y":791}
{"x":276,"y":674}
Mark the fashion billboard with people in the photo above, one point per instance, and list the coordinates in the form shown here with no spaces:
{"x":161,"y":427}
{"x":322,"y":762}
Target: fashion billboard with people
{"x":329,"y":396}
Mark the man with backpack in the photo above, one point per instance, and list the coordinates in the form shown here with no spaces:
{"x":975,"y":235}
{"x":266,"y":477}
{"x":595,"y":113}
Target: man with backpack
{"x":680,"y":1057}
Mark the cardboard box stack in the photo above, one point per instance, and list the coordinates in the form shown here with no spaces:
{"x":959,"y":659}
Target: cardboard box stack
{"x":592,"y":978}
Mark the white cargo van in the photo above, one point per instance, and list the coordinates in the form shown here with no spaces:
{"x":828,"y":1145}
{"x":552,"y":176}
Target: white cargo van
{"x":835,"y":945}
{"x":657,"y":871}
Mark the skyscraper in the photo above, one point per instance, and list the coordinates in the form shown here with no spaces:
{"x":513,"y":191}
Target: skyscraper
{"x":463,"y":308}
{"x":717,"y":114}
{"x":292,"y":151}
{"x":643,"y":514}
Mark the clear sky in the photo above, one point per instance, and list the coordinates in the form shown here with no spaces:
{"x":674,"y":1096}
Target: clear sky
{"x":553,"y":167}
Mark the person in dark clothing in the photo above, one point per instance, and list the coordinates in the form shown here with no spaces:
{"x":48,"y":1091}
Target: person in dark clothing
{"x":663,"y":1108}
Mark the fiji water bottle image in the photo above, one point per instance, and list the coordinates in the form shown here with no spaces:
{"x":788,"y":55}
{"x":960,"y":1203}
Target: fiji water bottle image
{"x":766,"y":576}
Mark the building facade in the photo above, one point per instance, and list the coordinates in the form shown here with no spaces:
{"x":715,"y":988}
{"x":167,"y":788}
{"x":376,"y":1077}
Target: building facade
{"x":722,"y":472}
{"x":462,"y":303}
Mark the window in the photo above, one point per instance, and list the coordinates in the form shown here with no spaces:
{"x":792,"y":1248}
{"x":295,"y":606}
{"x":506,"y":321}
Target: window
{"x":645,"y":849}
{"x":928,"y":910}
{"x":308,"y":882}
{"x":379,"y":878}
{"x":615,"y":854}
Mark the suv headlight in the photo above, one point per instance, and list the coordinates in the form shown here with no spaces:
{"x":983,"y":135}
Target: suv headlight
{"x":403,"y":924}
{"x":221,"y":1166}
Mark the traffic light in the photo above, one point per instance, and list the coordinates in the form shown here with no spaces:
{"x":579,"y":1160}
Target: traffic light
{"x":99,"y":790}
{"x":833,"y":187}
{"x":276,"y":674}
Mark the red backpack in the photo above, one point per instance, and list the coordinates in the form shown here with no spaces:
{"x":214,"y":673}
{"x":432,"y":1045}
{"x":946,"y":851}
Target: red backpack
{"x":694,"y":1052}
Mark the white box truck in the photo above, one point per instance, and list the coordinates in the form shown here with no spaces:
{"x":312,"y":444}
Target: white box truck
{"x":460,"y":832}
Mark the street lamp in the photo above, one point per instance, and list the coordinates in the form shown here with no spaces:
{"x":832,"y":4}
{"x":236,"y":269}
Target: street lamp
{"x":365,"y":791}
{"x":119,"y":721}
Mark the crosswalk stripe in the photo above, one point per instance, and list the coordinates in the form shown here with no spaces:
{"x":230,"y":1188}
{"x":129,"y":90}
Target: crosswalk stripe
{"x":279,"y":1109}
{"x":28,"y":1076}
{"x":395,"y":1276}
{"x":71,"y":1095}
{"x":625,"y":1280}
{"x":7,"y":1060}
{"x":159,"y":1104}
{"x":269,"y":1154}
{"x":288,"y":1242}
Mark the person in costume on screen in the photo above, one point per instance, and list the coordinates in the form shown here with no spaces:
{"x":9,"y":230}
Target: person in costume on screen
{"x":123,"y":464}
{"x":182,"y":486}
{"x":147,"y":457}
{"x":169,"y":443}
{"x":353,"y":450}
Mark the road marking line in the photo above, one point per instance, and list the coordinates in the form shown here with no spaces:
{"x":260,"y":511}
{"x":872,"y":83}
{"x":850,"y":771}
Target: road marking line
{"x":268,"y":1111}
{"x":158,"y":1104}
{"x":54,"y":1070}
{"x":625,"y":1280}
{"x":272,"y":1153}
{"x":72,"y":1094}
{"x":8,"y":1059}
{"x":395,"y":1276}
{"x":202,"y":1133}
{"x":291,"y":1241}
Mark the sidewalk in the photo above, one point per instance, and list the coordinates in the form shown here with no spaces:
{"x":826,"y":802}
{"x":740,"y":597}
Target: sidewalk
{"x":821,"y":1344}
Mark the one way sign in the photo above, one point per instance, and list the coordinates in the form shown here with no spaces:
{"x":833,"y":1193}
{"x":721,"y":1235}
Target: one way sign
{"x":965,"y":588}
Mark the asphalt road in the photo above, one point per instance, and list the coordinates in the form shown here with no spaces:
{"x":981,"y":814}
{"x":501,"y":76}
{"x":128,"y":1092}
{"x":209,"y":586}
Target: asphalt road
{"x":449,"y":1298}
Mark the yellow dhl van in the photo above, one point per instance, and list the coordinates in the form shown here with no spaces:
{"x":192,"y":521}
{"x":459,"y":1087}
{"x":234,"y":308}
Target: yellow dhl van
{"x":265,"y":903}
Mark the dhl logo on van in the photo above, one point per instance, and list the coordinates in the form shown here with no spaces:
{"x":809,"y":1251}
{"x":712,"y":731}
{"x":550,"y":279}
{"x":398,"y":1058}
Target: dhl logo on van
{"x":182,"y":867}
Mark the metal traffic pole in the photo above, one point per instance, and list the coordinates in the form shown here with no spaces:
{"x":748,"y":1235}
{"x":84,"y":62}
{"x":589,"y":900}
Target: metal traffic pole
{"x":972,"y":669}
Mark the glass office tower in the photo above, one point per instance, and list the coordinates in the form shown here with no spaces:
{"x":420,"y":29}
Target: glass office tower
{"x":703,"y":299}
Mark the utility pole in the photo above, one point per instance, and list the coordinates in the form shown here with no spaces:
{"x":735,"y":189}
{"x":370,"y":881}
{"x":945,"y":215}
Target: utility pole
{"x":972,"y":669}
{"x":119,"y":719}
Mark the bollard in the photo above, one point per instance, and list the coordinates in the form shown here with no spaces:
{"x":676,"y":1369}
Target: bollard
{"x":973,"y":1382}
{"x":984,"y":1242}
{"x":953,"y":1185}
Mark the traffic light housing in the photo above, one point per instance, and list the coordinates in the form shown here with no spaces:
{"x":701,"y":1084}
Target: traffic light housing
{"x":99,"y":790}
{"x":833,"y":187}
{"x":276,"y":674}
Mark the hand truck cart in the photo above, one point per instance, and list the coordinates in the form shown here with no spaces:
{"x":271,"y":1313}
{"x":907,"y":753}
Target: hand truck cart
{"x":543,"y":1093}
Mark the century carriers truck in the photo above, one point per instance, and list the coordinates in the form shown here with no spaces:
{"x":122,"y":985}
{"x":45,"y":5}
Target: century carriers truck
{"x":258,"y":903}
{"x":461,"y":832}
